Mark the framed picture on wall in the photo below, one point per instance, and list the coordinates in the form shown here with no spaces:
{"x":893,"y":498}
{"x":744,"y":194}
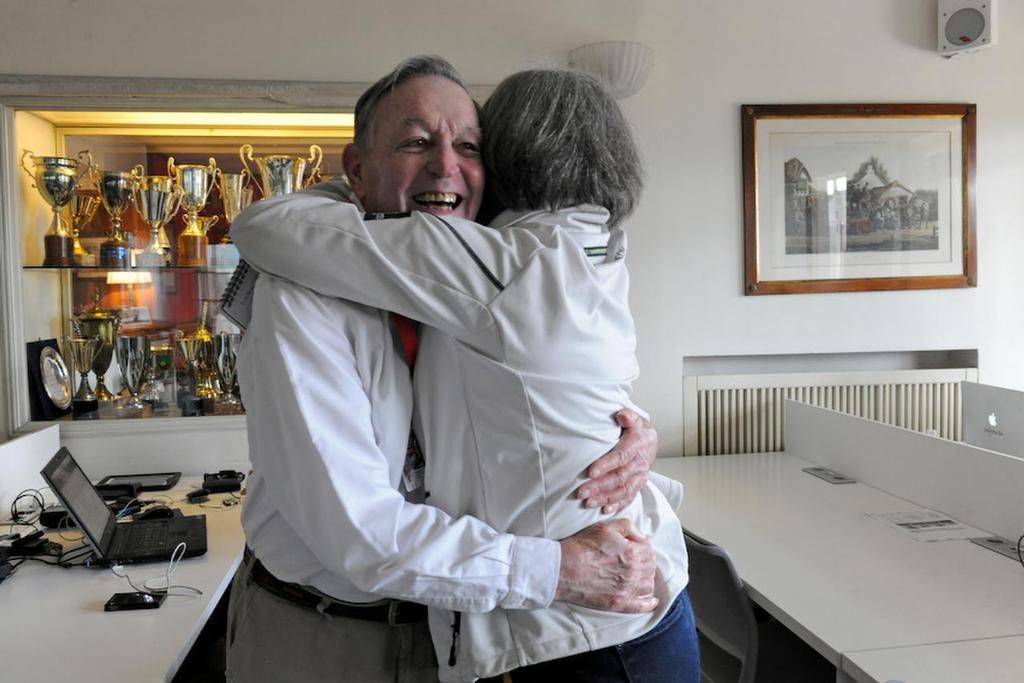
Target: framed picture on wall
{"x":858,"y":197}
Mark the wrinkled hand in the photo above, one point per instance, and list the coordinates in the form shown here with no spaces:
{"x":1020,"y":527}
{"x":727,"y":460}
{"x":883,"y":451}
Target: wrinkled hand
{"x":618,"y":475}
{"x":608,"y":566}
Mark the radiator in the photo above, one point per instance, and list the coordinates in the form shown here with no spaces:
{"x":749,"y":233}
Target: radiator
{"x":743,"y":413}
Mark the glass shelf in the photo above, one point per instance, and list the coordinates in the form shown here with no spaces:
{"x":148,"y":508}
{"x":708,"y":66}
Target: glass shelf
{"x":104,"y":269}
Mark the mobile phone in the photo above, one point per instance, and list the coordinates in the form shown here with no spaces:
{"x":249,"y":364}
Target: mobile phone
{"x":119,"y":602}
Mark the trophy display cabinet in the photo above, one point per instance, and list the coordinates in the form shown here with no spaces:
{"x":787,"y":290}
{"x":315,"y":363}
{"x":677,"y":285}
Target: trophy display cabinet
{"x":115,"y":201}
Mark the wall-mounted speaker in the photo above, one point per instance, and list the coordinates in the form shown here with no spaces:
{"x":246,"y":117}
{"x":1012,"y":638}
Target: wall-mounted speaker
{"x":966,"y":26}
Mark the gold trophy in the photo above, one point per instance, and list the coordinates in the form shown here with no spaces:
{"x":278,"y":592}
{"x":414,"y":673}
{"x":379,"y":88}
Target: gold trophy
{"x":235,"y":195}
{"x":209,"y":385}
{"x":189,"y":348}
{"x":194,"y":183}
{"x":157,"y":201}
{"x":102,"y":325}
{"x":324,"y":175}
{"x":192,"y":350}
{"x":81,"y":353}
{"x":116,"y":191}
{"x":196,"y":350}
{"x":79,"y":211}
{"x":205,"y":223}
{"x":281,"y":173}
{"x":56,"y":179}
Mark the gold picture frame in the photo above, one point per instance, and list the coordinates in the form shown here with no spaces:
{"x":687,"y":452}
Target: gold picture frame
{"x":858,"y":197}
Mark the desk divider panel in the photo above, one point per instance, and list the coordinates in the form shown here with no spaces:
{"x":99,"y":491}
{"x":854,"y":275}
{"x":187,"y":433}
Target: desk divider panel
{"x":20,"y":462}
{"x":976,"y":486}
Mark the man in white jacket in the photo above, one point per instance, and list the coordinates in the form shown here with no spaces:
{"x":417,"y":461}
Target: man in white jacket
{"x":334,"y":545}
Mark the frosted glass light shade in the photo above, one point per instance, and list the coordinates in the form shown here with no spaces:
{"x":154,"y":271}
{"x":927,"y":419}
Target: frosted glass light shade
{"x":622,"y":66}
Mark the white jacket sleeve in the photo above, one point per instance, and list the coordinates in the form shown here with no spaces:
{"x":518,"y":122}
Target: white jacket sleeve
{"x":441,"y":272}
{"x":669,"y":487}
{"x":312,"y":440}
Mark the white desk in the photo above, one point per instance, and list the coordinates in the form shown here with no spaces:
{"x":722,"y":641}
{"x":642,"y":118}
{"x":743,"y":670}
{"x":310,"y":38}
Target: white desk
{"x":55,"y":628}
{"x":840,"y":580}
{"x":993,"y":660}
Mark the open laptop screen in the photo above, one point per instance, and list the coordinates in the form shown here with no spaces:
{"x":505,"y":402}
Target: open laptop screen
{"x":79,"y":496}
{"x":992,"y":418}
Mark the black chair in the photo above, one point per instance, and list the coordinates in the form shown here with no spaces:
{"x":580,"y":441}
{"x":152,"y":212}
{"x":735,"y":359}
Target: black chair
{"x":734,"y":646}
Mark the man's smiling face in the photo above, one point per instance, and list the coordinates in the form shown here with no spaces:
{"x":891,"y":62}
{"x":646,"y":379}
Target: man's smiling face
{"x":424,"y":152}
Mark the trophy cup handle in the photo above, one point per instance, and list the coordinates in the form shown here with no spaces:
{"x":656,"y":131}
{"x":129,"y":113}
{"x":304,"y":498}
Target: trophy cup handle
{"x":136,"y":174}
{"x":244,"y":150}
{"x":174,"y":204}
{"x":207,"y":224}
{"x":315,"y":152}
{"x":218,"y":179}
{"x":211,"y":168}
{"x":246,"y":176}
{"x":172,"y":170}
{"x":28,"y":153}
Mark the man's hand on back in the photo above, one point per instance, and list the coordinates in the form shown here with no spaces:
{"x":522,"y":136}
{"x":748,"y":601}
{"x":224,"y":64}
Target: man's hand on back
{"x":608,"y":566}
{"x":617,"y":476}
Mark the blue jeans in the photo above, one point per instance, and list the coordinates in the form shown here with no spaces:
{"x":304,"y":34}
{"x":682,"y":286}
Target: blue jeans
{"x":668,"y":653}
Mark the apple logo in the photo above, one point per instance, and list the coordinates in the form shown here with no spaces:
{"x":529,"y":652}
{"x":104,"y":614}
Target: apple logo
{"x":992,"y":421}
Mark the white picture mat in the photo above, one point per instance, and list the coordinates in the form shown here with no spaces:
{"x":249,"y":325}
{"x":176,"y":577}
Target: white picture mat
{"x":917,"y":152}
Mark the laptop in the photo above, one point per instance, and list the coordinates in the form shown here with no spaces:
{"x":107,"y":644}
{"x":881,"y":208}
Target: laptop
{"x":139,"y":541}
{"x":993,"y":418}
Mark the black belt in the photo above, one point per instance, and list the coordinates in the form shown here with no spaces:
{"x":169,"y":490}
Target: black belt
{"x":391,"y":612}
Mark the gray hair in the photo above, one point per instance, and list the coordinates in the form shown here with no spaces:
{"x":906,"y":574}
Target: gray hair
{"x":555,"y":139}
{"x":408,"y":69}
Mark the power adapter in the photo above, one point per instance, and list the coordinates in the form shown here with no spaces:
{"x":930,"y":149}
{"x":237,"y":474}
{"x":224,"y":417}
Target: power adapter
{"x":197,"y":496}
{"x":56,"y":517}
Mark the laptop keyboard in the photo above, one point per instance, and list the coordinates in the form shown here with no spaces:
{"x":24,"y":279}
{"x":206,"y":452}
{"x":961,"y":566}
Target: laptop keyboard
{"x":143,"y":539}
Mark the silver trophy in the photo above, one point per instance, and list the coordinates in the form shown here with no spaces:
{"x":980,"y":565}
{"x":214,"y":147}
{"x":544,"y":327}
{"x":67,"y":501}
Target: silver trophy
{"x":156,"y":201}
{"x":56,"y":179}
{"x":235,"y":195}
{"x":194,"y":182}
{"x":103,"y":325}
{"x":282,"y":173}
{"x":81,"y":351}
{"x":116,"y":190}
{"x":225,"y":354}
{"x":133,"y":360}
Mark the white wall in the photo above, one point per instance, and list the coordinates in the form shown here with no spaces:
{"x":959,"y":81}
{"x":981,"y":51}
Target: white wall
{"x":712,"y":56}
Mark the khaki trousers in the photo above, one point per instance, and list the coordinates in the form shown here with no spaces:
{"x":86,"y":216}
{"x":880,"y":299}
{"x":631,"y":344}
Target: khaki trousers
{"x":270,"y":639}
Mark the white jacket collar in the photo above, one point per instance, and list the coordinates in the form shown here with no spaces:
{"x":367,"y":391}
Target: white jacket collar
{"x":585,"y":217}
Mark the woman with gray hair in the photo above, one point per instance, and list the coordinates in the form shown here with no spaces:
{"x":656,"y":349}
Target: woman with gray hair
{"x":527,"y":351}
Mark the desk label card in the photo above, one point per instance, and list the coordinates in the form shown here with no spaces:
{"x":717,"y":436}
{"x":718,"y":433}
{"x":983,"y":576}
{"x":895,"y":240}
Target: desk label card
{"x":927,"y":525}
